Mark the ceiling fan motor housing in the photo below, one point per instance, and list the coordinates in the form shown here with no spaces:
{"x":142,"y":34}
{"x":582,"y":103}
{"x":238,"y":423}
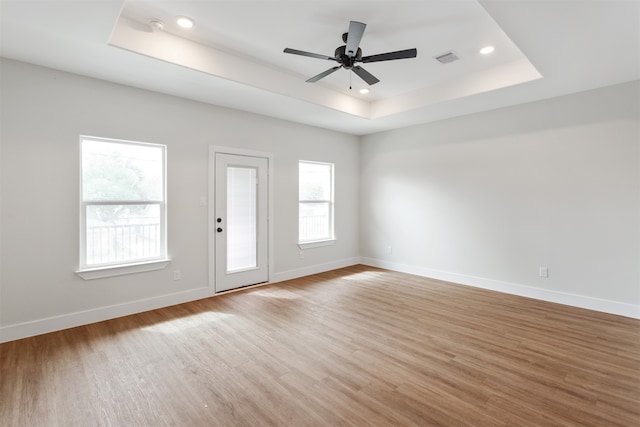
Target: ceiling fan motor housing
{"x":346,"y":60}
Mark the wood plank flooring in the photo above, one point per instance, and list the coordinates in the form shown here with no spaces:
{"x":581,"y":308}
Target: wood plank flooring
{"x":352,"y":347}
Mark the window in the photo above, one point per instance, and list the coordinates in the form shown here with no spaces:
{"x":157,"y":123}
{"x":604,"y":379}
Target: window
{"x":315,"y":210}
{"x":123,"y":209}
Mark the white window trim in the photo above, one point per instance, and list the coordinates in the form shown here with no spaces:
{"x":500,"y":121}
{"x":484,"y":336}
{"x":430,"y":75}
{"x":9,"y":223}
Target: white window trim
{"x":90,"y":272}
{"x":120,"y":270}
{"x":310,"y":244}
{"x":316,"y":244}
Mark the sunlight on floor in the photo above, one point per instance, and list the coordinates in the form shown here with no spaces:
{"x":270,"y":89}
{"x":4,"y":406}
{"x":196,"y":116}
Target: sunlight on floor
{"x":276,"y":293}
{"x":193,"y":321}
{"x":363,"y":275}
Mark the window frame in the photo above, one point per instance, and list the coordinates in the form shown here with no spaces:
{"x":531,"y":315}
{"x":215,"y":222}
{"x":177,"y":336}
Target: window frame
{"x":119,"y":267}
{"x":330,"y":240}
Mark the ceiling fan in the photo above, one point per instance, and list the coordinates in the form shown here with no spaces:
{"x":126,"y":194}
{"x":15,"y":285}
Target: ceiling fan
{"x":350,"y":54}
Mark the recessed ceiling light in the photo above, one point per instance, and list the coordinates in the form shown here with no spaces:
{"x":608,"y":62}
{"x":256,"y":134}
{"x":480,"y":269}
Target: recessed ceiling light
{"x":364,"y":91}
{"x":487,"y":50}
{"x":156,"y":24}
{"x":185,"y":22}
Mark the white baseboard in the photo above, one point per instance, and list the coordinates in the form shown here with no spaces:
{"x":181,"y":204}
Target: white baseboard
{"x":314,"y":269}
{"x":596,"y":304}
{"x":71,"y":320}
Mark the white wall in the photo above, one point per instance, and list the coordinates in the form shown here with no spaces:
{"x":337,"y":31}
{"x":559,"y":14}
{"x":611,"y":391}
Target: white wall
{"x":483,"y":200}
{"x":44,"y":112}
{"x":487,"y":199}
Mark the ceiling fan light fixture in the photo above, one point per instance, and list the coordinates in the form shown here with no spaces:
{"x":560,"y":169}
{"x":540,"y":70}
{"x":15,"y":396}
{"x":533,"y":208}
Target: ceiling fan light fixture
{"x":364,"y":91}
{"x":487,"y":50}
{"x":185,"y":21}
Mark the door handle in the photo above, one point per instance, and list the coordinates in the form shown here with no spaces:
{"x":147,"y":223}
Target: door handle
{"x":219,"y":230}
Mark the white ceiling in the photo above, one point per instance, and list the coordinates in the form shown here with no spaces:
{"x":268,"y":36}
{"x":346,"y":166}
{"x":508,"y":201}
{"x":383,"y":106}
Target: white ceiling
{"x":233,"y":56}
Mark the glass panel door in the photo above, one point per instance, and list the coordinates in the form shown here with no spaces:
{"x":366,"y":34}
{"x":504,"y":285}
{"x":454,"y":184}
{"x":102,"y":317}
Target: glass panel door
{"x":240,"y":221}
{"x":242,"y":218}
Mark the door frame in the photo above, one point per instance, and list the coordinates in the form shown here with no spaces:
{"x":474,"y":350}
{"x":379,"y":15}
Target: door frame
{"x":211,"y":224}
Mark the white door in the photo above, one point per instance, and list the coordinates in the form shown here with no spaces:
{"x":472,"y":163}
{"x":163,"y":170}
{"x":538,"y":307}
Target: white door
{"x":240,"y":221}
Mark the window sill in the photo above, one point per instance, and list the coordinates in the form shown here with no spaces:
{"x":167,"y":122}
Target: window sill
{"x":317,"y":244}
{"x":120,"y":270}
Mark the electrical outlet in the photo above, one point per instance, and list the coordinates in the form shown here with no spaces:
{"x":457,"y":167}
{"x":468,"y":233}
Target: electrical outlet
{"x":544,"y":272}
{"x":301,"y":254}
{"x":176,"y":275}
{"x":389,"y":250}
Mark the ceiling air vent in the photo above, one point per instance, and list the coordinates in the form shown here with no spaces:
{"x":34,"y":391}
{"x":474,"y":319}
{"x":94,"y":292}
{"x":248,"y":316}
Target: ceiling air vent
{"x":445,"y":58}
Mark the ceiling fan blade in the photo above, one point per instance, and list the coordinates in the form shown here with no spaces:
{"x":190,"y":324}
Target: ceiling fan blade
{"x":322,"y":74}
{"x":356,"y":30}
{"x":400,"y":54}
{"x":309,"y":54}
{"x":365,"y":75}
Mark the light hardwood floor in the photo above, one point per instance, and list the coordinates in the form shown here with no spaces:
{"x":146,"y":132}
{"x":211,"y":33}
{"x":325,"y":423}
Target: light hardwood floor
{"x":356,"y":346}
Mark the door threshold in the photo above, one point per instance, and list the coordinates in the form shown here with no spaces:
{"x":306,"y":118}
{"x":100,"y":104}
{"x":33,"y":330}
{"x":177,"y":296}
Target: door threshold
{"x":242,"y":288}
